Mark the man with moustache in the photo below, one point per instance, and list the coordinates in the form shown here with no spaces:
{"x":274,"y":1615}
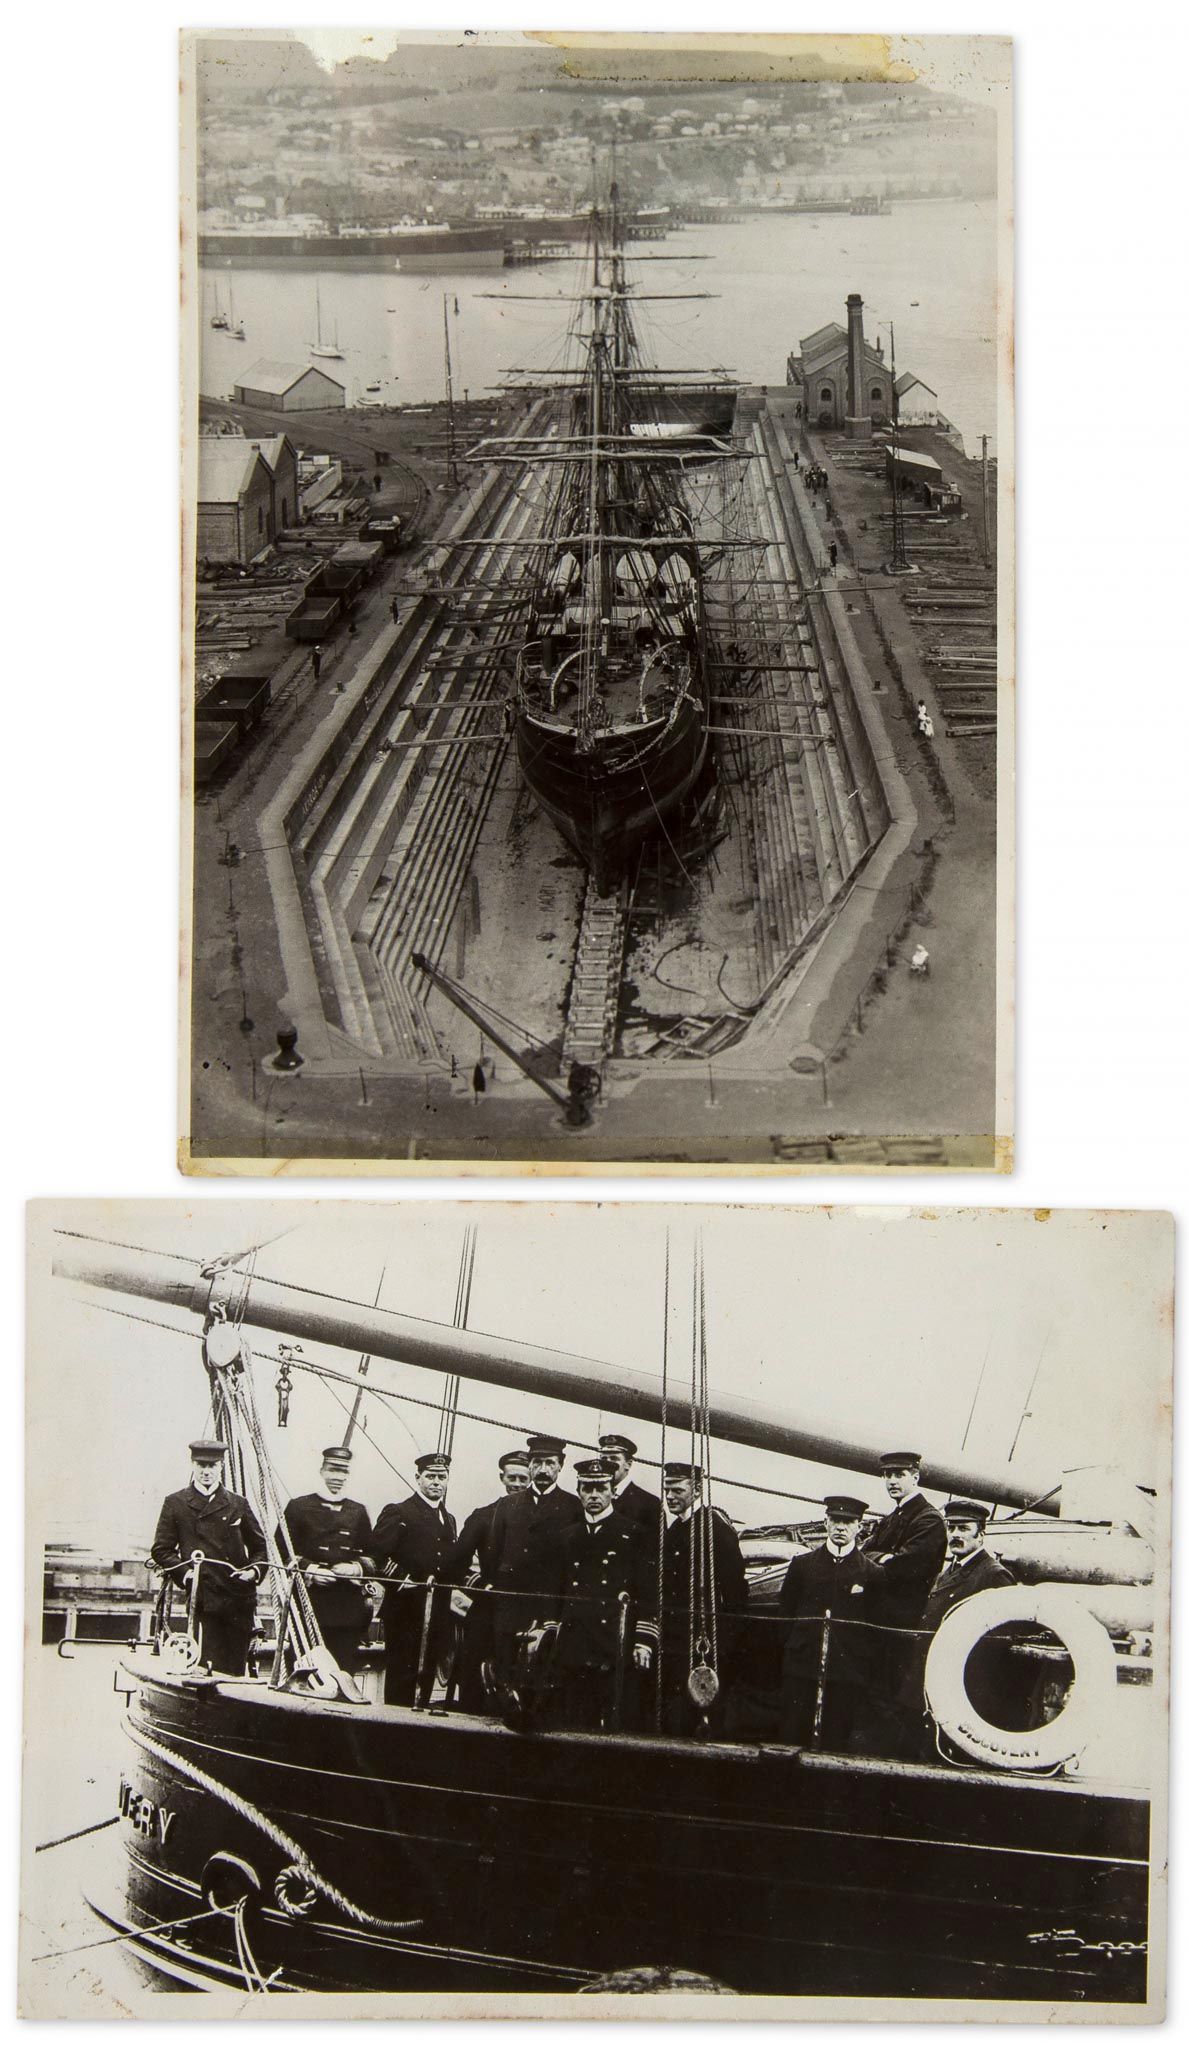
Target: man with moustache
{"x":206,"y":1516}
{"x":525,"y":1529}
{"x":411,"y":1542}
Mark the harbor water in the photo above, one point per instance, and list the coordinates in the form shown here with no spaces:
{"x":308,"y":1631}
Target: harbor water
{"x":929,"y":268}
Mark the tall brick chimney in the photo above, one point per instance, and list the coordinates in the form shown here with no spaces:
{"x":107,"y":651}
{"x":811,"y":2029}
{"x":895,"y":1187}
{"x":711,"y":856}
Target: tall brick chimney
{"x":858,"y":421}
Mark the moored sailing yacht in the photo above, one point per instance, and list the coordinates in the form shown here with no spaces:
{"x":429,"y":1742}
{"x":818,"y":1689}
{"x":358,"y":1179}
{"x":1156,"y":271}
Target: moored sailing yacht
{"x":611,"y":693}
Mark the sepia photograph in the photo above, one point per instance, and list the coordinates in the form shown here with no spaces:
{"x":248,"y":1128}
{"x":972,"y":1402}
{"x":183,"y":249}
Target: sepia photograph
{"x":517,"y":1610}
{"x":598,"y":602}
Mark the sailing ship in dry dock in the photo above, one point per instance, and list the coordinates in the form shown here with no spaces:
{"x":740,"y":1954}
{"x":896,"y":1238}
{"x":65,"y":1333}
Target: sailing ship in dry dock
{"x":611,"y":690}
{"x":285,"y":1833}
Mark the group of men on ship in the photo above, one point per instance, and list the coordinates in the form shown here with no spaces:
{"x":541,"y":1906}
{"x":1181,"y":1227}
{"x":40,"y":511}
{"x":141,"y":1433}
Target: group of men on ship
{"x":603,"y":1608}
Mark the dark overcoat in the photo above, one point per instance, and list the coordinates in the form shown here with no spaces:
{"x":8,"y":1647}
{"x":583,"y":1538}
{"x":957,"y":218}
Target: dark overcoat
{"x":325,"y":1533}
{"x":222,"y":1525}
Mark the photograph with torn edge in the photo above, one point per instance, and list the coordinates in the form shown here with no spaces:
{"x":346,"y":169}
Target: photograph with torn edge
{"x":513,"y":1609}
{"x":598,"y":609}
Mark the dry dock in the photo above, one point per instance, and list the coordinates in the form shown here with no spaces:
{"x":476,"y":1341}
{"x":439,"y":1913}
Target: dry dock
{"x":745,"y":997}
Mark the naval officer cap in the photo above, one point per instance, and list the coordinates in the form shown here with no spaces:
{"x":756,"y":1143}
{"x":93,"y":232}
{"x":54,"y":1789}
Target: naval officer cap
{"x":900,"y":1461}
{"x":433,"y":1461}
{"x":337,"y":1454}
{"x":613,"y":1441}
{"x":593,"y":1469}
{"x":546,"y":1447}
{"x":965,"y":1511}
{"x":676,"y":1470}
{"x":207,"y":1450}
{"x":844,"y":1507}
{"x":513,"y":1458}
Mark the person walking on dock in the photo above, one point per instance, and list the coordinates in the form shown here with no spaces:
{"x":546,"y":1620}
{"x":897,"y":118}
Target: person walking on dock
{"x":395,"y":610}
{"x":316,"y":660}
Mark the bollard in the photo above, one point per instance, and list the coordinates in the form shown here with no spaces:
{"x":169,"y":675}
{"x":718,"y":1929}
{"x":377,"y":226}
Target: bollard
{"x":287,"y":1058}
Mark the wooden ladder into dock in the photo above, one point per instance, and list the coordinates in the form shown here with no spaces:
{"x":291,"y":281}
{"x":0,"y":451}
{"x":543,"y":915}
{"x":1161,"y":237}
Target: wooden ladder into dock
{"x":593,"y":1003}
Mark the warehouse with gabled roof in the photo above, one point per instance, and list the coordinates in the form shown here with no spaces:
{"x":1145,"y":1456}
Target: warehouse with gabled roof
{"x":289,"y":387}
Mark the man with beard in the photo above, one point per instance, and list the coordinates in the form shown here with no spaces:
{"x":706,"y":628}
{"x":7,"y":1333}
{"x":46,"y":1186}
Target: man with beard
{"x":411,"y":1541}
{"x":330,"y":1535}
{"x":206,"y":1517}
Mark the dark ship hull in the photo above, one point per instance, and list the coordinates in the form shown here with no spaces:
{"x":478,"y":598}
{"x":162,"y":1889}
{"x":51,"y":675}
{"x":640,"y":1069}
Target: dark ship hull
{"x":518,"y":1864}
{"x":609,"y":800}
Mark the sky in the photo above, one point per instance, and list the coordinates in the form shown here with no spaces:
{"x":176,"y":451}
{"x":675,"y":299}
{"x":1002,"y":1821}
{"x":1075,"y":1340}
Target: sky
{"x":897,"y":1328}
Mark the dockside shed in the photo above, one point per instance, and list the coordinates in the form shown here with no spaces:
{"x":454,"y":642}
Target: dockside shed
{"x":235,"y":499}
{"x":290,"y":387}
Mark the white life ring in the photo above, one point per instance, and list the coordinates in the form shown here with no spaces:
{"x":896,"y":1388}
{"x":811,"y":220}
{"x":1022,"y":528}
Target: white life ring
{"x":1056,"y":1608}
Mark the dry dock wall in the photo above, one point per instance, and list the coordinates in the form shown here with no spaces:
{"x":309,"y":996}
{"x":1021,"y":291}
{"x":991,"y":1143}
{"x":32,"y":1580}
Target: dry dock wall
{"x":804,"y":1014}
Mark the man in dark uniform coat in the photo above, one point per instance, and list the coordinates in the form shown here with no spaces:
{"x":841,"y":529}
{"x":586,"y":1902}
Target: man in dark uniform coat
{"x":206,"y":1517}
{"x":470,"y":1563}
{"x":525,"y":1528}
{"x":906,"y":1549}
{"x":643,"y":1507}
{"x":687,"y":1528}
{"x":992,"y":1681}
{"x":331,"y":1538}
{"x":410,"y":1543}
{"x":600,"y":1559}
{"x":829,"y":1652}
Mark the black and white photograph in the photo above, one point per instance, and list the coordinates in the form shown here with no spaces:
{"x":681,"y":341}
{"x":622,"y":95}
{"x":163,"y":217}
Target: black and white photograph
{"x":522,"y":1609}
{"x":598,"y":608}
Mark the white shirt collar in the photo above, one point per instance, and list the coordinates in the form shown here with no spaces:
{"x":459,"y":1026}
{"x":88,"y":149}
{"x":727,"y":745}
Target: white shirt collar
{"x":542,"y":1491}
{"x":591,"y":1520}
{"x":438,"y":1506}
{"x":905,"y":1498}
{"x":621,"y":1485}
{"x":841,"y":1553}
{"x":332,"y":1500}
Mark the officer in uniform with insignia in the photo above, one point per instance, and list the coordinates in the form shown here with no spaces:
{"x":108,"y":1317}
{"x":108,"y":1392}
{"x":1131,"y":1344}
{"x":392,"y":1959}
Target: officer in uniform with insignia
{"x":471,"y":1563}
{"x":829,"y":1652}
{"x":907,"y":1549}
{"x":331,"y":1538}
{"x":525,"y":1528}
{"x":204,"y":1516}
{"x":410,"y":1544}
{"x":630,"y":1499}
{"x":688,"y":1527}
{"x":602,"y":1604}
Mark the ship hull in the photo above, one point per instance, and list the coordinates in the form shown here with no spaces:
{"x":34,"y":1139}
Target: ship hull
{"x":544,"y":1863}
{"x":609,"y":801}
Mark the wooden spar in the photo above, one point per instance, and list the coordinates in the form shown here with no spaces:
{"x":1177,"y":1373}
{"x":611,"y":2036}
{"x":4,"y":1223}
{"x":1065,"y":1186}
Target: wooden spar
{"x":301,"y":1312}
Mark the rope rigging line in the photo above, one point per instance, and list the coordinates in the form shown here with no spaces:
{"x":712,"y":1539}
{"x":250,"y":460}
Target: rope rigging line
{"x":276,"y":1835}
{"x":329,"y":1374}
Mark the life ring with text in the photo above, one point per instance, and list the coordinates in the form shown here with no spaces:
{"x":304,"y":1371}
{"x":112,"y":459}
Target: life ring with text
{"x":1090,"y":1651}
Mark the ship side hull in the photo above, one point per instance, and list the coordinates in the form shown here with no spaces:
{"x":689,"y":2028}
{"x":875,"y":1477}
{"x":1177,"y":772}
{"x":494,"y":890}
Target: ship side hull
{"x":516,"y":1863}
